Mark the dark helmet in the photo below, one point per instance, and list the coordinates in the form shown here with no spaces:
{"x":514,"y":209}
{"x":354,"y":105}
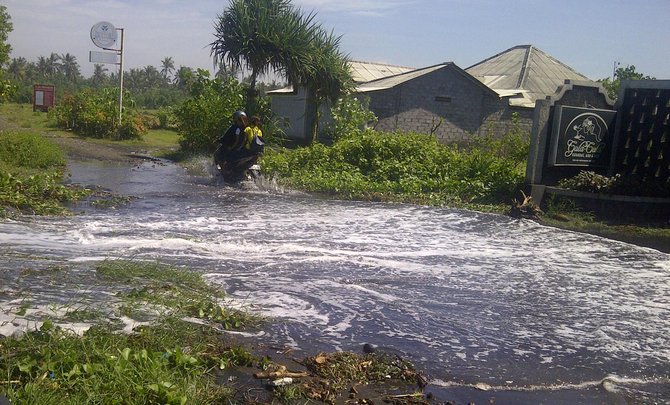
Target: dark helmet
{"x":238,"y":114}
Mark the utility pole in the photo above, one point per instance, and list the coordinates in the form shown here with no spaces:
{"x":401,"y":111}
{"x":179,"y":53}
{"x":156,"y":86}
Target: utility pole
{"x":616,"y":65}
{"x":121,"y":77}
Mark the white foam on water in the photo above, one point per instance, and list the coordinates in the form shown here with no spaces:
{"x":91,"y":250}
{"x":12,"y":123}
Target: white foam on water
{"x":453,"y":286}
{"x":611,"y":383}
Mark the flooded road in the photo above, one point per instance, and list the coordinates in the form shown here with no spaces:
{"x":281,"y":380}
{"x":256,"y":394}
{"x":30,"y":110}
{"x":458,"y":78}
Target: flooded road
{"x":486,"y":305}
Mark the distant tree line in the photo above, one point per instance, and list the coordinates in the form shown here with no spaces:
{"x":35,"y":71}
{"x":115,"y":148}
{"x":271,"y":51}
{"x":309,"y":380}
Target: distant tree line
{"x":150,"y":86}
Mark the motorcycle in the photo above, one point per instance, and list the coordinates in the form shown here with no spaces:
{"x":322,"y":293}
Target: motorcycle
{"x":236,"y":166}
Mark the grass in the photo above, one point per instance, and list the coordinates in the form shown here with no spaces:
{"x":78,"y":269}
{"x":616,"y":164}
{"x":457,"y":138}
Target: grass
{"x":21,"y":117}
{"x":170,"y":290}
{"x":31,"y":170}
{"x":170,"y":358}
{"x":169,"y":362}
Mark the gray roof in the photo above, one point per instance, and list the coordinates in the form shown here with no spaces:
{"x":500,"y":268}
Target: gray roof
{"x":392,"y":81}
{"x":524,"y":72}
{"x":361,"y":72}
{"x":366,"y":71}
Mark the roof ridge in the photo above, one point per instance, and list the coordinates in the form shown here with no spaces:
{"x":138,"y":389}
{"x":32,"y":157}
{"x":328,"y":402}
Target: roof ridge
{"x":523,"y":74}
{"x":498,"y":54}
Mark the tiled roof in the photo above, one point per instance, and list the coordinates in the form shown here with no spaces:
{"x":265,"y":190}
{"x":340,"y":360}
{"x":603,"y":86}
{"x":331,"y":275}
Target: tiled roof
{"x":527,"y":68}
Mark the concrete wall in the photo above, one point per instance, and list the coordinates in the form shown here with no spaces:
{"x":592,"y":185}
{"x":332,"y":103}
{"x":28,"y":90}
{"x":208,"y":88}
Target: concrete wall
{"x":290,"y":109}
{"x":443,"y":102}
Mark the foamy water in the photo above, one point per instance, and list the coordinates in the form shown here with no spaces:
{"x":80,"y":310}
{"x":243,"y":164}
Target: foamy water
{"x":475,"y":300}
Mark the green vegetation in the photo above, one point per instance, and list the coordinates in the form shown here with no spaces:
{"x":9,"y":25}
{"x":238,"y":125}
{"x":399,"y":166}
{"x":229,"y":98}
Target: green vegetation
{"x":273,"y":35}
{"x":32,"y":166}
{"x":410,"y":167}
{"x":30,"y":176}
{"x":175,"y":355}
{"x":203,"y":117}
{"x":564,"y":213}
{"x":169,"y":361}
{"x":29,"y":151}
{"x":6,"y":26}
{"x":165,"y":289}
{"x":621,"y":73}
{"x":95,"y":113}
{"x":630,"y":185}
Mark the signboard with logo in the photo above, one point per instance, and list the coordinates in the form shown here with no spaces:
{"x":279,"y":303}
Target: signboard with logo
{"x":104,"y":35}
{"x":581,"y":137}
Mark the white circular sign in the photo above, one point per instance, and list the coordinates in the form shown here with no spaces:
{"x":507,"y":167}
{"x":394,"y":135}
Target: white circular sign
{"x":103,"y":34}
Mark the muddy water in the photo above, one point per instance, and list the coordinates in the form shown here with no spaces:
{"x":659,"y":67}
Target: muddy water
{"x":488,"y":306}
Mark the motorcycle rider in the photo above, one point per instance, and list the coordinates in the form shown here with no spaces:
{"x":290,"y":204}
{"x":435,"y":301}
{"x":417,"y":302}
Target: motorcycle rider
{"x":233,"y":138}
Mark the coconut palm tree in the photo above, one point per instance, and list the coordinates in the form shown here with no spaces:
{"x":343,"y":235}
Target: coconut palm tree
{"x":99,"y":77}
{"x":184,"y":78}
{"x":18,"y":68}
{"x":167,"y":67}
{"x":226,"y":70}
{"x":69,"y":67}
{"x":48,"y":67}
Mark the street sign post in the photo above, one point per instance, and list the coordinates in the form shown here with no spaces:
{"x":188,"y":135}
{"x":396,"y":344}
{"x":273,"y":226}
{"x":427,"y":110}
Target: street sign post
{"x":111,"y":58}
{"x":105,"y":35}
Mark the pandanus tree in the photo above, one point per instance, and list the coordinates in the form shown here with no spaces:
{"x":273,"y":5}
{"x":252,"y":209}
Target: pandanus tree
{"x":266,"y":36}
{"x":326,"y":76}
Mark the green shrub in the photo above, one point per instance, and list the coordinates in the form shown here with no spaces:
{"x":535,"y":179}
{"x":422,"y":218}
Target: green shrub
{"x":40,"y":194}
{"x":350,"y":116}
{"x":399,"y":166}
{"x":95,"y":113}
{"x":592,"y":182}
{"x":206,"y":115}
{"x":29,"y":150}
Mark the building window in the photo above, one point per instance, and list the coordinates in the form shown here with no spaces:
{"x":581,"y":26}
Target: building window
{"x":443,"y":99}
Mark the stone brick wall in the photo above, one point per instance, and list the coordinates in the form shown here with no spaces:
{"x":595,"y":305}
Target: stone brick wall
{"x":498,"y":119}
{"x":446,"y":103}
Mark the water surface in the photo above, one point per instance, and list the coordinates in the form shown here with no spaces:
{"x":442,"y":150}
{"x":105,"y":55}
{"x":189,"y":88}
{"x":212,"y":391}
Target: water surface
{"x":488,"y":306}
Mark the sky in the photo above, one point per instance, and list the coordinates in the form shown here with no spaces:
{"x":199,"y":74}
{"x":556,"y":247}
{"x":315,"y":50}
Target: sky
{"x":588,"y":35}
